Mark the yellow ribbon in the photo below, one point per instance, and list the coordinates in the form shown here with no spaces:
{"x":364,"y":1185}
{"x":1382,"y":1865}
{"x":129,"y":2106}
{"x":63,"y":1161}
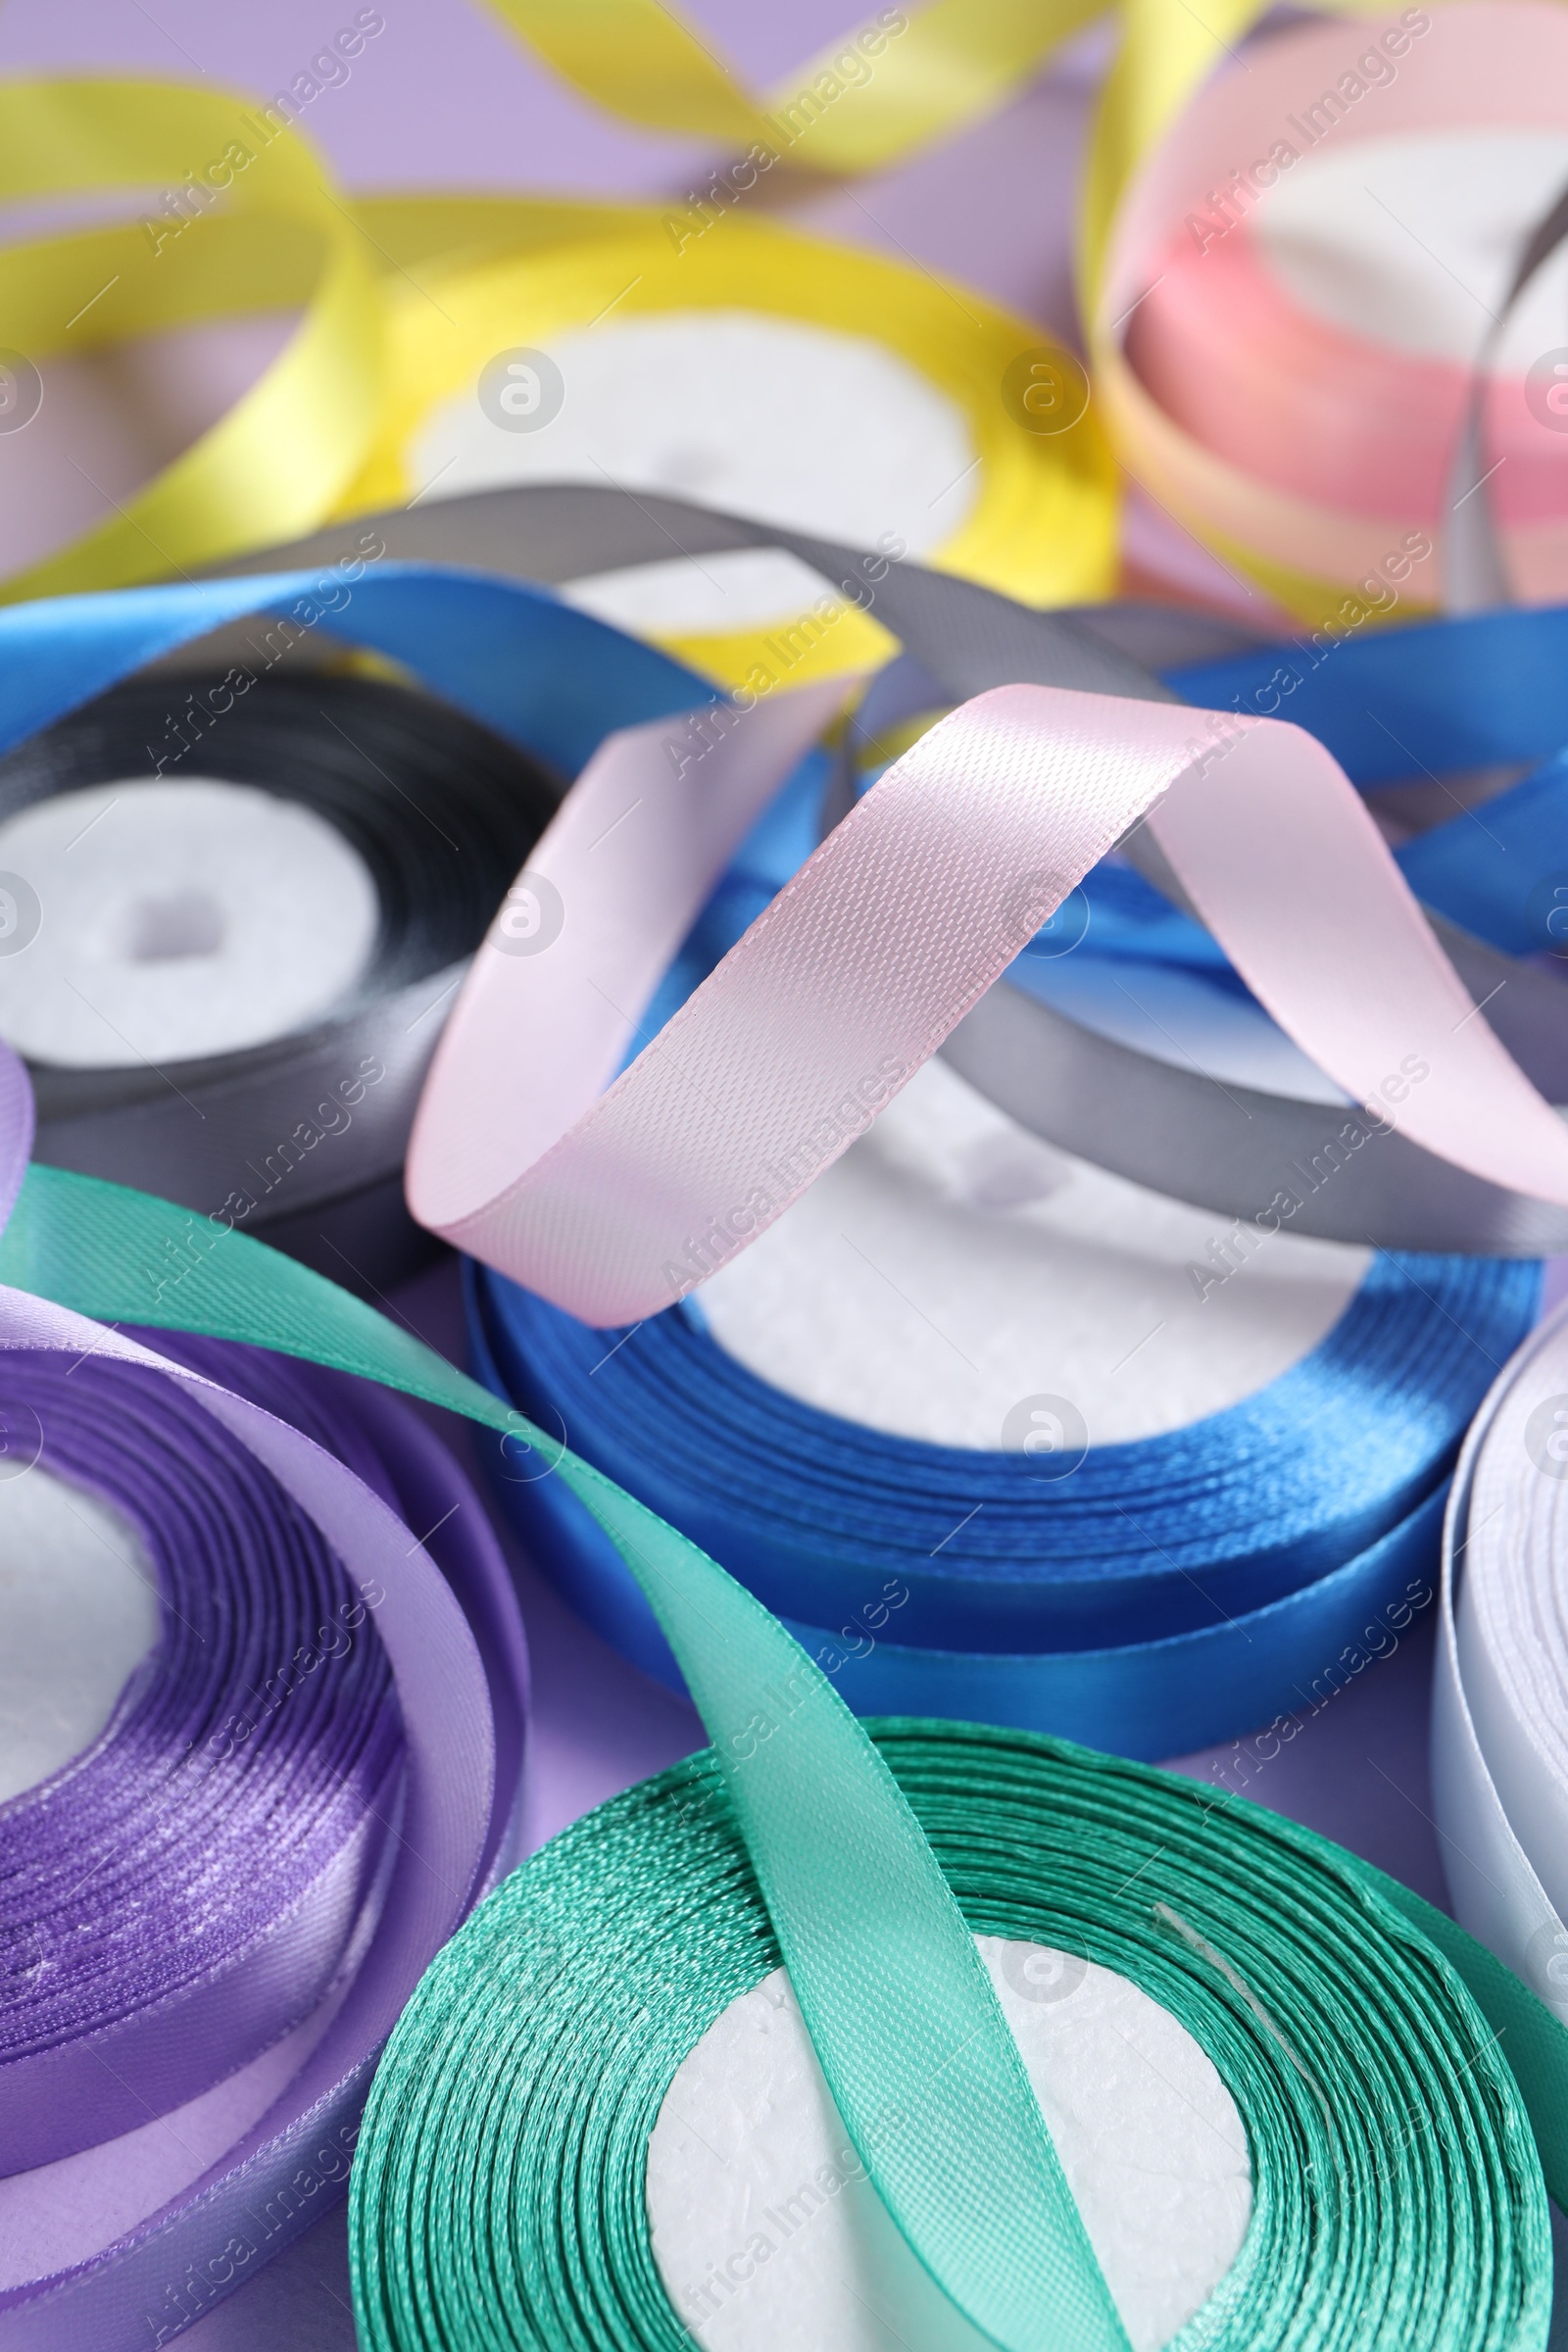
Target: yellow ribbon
{"x":1043,"y":524}
{"x":896,"y":83}
{"x":237,"y":215}
{"x":403,"y":298}
{"x":254,"y":228}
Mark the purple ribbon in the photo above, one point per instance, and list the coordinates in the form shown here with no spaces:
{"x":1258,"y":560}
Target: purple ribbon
{"x":211,"y":1920}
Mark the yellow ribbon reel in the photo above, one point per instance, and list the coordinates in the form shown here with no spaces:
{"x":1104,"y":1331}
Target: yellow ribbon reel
{"x":740,"y":364}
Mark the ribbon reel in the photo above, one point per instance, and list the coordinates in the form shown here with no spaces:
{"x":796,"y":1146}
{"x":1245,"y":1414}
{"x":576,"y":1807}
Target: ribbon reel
{"x":227,"y":974}
{"x":195,"y":2001}
{"x":1499,"y":1715}
{"x":1391,"y":2184}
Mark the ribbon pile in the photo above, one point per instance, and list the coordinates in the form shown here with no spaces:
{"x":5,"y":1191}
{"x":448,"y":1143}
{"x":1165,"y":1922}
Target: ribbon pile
{"x":1211,"y":1547}
{"x":1073,"y":1064}
{"x":407,"y":299}
{"x":1031,"y":782}
{"x":1499,"y":1719}
{"x":329,"y":426}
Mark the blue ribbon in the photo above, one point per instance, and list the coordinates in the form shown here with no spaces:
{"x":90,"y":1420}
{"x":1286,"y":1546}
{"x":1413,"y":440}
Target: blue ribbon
{"x":515,"y":657}
{"x":1394,"y":705}
{"x":1250,"y":1557}
{"x":1165,"y":1593}
{"x":1442,"y":697}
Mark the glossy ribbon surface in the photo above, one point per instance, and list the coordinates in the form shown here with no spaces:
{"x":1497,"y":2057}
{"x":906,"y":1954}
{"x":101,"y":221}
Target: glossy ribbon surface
{"x":970,"y":2178}
{"x":289,"y":446}
{"x":270,"y":233}
{"x":813,"y":1789}
{"x":616,"y":1204}
{"x":1312,"y":459}
{"x":195,"y":2005}
{"x":1395,"y":2197}
{"x":1184,"y":1087}
{"x":907,"y":78}
{"x":1158,"y":1596}
{"x":304,"y":1132}
{"x":1043,"y":522}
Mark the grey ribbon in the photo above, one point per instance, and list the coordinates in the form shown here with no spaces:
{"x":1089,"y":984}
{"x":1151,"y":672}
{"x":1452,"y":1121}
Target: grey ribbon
{"x":1474,"y":576}
{"x":271,"y":1125}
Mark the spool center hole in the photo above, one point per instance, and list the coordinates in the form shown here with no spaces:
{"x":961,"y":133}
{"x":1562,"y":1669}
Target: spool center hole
{"x":168,"y":930}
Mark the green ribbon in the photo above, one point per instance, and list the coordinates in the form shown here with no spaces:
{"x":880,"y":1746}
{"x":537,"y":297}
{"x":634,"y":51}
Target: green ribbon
{"x":853,"y":1888}
{"x":498,"y":2193}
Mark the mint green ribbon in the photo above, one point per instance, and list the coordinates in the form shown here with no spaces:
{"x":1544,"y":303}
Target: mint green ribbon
{"x":898,"y":2004}
{"x":498,"y":2201}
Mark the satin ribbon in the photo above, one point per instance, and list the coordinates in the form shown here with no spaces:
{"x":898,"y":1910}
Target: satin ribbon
{"x":284,"y":452}
{"x":617,"y":1203}
{"x":1307,"y":457}
{"x":1043,"y":1653}
{"x":498,"y":2196}
{"x":1294,"y":1605}
{"x":304,"y":1132}
{"x":292,"y":446}
{"x":169,"y":1934}
{"x":1484,"y":693}
{"x":878,"y":1912}
{"x":942,"y":68}
{"x":836,"y":2003}
{"x":1159,"y":1598}
{"x":1043,"y":527}
{"x":1499,"y":1778}
{"x":523,"y":663}
{"x":250,"y":221}
{"x":895,"y":82}
{"x":169,"y":1955}
{"x":1109,"y":1073}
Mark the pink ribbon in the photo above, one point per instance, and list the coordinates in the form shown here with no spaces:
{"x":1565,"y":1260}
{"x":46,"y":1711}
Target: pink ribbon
{"x":1254,"y":421}
{"x":614,"y":1204}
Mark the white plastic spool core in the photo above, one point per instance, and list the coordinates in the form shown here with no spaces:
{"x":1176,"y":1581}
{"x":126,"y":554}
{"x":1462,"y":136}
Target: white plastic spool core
{"x":770,"y":2238}
{"x":951,"y":1264}
{"x":1343,"y":231}
{"x":78,"y":1612}
{"x":795,"y":424}
{"x":178,"y":920}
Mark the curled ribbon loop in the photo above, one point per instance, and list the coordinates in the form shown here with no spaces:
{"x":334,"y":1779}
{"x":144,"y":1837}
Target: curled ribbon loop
{"x":902,"y":918}
{"x":277,"y":239}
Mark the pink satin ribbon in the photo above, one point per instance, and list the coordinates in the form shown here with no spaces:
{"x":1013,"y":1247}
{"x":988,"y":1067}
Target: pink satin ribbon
{"x":613,"y":1205}
{"x":1323,"y":415}
{"x":1254,"y":419}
